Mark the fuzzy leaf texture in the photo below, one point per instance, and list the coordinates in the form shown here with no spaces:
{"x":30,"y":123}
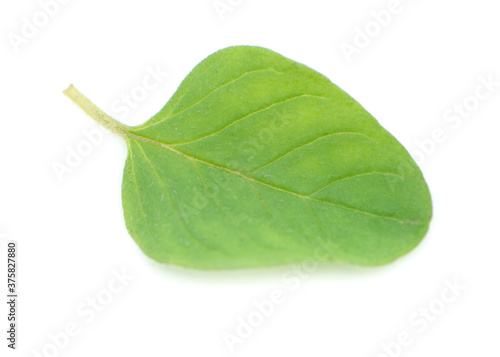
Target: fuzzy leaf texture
{"x":258,"y":160}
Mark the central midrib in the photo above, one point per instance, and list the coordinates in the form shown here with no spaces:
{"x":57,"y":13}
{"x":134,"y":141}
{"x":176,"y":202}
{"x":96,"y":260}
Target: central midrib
{"x":141,"y":138}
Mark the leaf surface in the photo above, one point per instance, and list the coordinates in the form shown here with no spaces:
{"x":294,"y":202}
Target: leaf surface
{"x":258,"y":160}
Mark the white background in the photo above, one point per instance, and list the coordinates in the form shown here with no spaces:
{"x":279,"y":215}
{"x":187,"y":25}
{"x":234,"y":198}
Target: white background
{"x":72,"y":235}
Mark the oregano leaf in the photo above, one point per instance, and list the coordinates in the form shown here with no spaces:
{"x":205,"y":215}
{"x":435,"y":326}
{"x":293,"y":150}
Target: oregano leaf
{"x":258,"y":160}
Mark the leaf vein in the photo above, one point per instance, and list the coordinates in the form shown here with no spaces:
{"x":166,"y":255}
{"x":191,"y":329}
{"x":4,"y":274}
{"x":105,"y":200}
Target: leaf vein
{"x":248,"y":115}
{"x":350,"y":177}
{"x":138,"y":193}
{"x":306,"y":144}
{"x":181,"y":220}
{"x":271,"y":186}
{"x":206,"y":96}
{"x":222,"y":209}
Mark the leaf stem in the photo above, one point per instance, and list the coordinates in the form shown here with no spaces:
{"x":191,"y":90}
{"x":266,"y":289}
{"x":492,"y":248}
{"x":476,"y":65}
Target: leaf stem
{"x":97,"y":114}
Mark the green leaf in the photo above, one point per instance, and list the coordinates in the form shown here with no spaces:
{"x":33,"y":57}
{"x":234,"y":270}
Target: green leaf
{"x":258,"y":160}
